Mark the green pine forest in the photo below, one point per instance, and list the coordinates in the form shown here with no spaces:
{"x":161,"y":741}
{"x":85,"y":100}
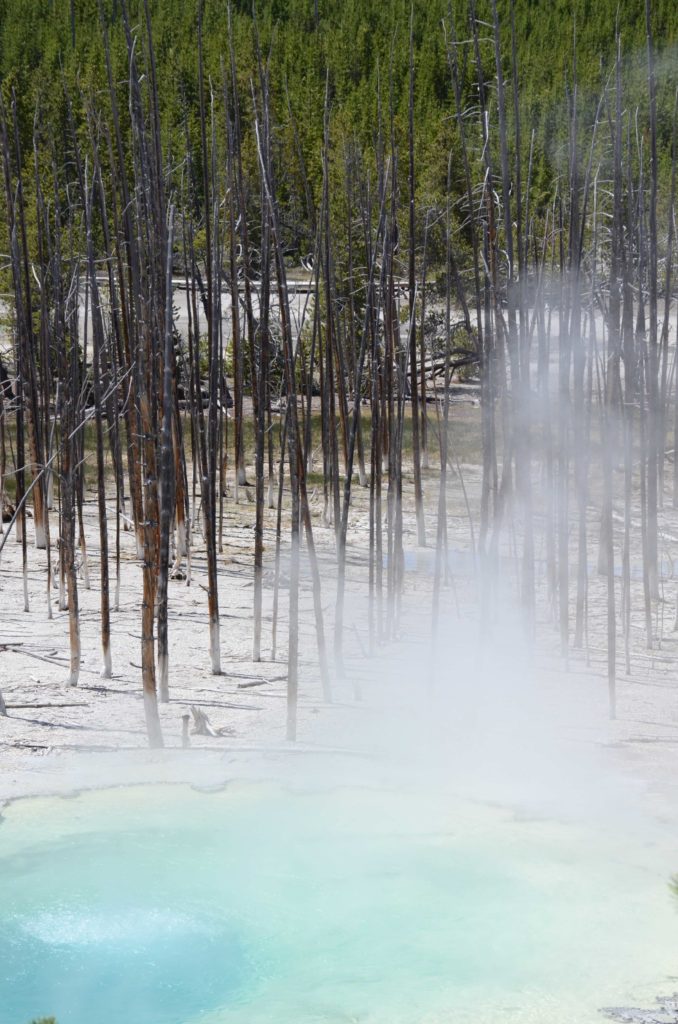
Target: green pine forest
{"x":356,"y":53}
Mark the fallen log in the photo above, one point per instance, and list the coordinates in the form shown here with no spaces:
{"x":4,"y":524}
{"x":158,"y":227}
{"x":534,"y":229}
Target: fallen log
{"x":202,"y":725}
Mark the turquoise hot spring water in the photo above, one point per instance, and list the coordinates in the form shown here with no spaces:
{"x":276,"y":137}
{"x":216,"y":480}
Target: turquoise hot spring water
{"x":258,"y":903}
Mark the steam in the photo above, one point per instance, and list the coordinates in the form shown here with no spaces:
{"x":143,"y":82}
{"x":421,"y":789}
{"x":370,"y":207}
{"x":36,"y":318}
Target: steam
{"x":480,"y":717}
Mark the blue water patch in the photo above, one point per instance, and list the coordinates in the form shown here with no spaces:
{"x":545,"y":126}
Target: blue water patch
{"x":264,"y":906}
{"x":110,"y":943}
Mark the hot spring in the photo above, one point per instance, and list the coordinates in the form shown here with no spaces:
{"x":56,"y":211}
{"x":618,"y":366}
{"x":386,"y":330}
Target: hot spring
{"x":257,"y":903}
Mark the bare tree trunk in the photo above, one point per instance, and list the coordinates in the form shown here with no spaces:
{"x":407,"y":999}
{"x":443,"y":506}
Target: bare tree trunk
{"x":414,"y":379}
{"x":167,"y":488}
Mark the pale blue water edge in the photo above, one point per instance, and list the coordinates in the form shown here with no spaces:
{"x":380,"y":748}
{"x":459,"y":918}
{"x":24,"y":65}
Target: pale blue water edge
{"x":162,"y":905}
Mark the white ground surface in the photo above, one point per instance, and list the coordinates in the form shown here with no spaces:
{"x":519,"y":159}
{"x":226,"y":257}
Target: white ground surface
{"x":486,"y":713}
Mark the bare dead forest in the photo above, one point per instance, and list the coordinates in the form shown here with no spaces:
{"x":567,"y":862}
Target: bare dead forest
{"x":557,"y":316}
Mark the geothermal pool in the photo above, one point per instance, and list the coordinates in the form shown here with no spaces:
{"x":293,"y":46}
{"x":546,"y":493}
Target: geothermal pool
{"x":163,"y":905}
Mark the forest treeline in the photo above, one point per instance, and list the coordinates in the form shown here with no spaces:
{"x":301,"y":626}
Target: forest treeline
{"x":351,"y":56}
